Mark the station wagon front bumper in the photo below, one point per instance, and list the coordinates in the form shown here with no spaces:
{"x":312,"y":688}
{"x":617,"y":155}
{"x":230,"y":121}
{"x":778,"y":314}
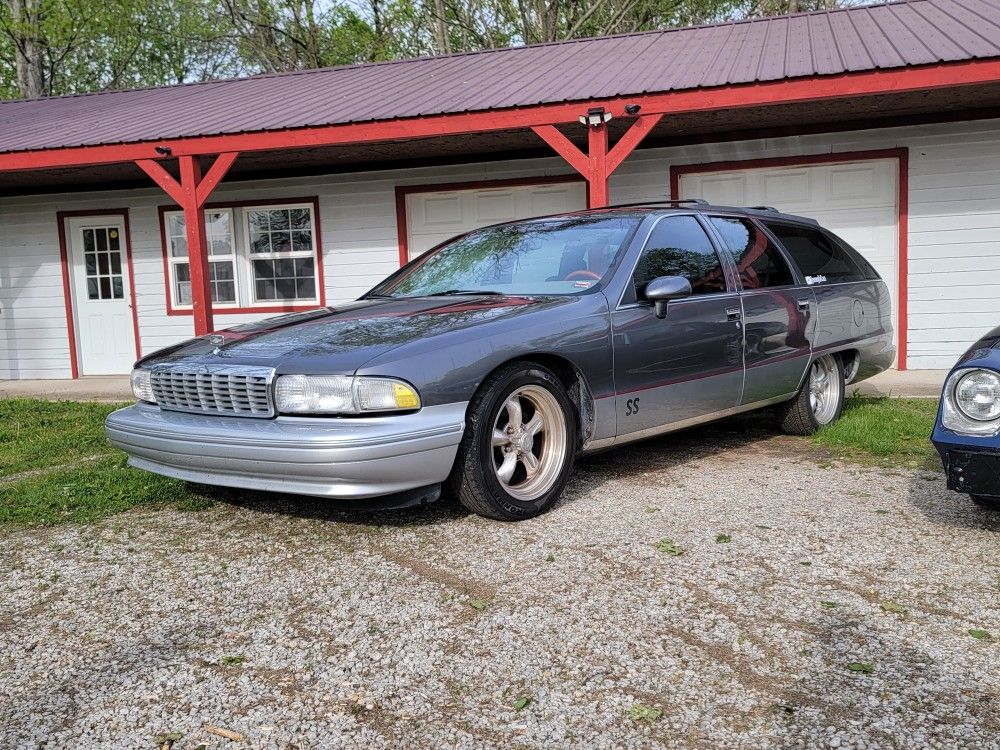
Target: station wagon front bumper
{"x":356,"y":457}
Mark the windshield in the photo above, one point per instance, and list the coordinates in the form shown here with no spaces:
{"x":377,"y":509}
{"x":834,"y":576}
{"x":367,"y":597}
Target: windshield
{"x":565,"y":255}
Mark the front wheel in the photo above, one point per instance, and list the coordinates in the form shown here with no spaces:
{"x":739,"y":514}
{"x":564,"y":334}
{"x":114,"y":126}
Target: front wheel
{"x":988,"y":502}
{"x":819,"y":401}
{"x":519,"y":444}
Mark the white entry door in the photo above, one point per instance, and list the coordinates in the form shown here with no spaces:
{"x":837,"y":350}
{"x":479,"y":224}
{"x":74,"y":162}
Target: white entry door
{"x":856,"y":200}
{"x":435,"y":217}
{"x":102,"y":303}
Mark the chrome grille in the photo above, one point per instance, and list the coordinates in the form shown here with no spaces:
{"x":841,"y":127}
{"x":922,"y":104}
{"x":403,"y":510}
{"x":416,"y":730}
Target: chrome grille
{"x":221,"y":389}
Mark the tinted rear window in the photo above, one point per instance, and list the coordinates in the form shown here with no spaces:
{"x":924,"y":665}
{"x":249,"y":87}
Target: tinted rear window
{"x":758,"y":261}
{"x":819,"y":255}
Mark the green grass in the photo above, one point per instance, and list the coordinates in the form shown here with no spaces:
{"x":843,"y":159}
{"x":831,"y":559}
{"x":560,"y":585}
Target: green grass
{"x":38,"y":434}
{"x":55,"y":442}
{"x":892,"y":431}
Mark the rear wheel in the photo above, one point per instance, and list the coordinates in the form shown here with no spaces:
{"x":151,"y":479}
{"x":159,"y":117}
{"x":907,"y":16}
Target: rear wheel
{"x":819,"y":401}
{"x":519,"y":444}
{"x":987,"y":501}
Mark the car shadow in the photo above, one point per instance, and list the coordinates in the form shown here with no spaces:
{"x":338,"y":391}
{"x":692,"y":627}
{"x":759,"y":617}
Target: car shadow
{"x":928,"y":493}
{"x":658,"y":453}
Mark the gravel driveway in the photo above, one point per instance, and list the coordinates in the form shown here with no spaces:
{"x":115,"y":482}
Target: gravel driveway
{"x":837,"y":614}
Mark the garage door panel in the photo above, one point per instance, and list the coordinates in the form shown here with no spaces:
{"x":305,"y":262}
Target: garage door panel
{"x":435,"y":217}
{"x":442,"y":210}
{"x":493,"y":206}
{"x":854,"y":182}
{"x":783,"y":187}
{"x":722,"y":191}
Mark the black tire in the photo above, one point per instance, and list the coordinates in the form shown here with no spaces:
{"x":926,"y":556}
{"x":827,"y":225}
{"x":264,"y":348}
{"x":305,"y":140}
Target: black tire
{"x":987,"y":502}
{"x":474,"y":479}
{"x":798,"y":416}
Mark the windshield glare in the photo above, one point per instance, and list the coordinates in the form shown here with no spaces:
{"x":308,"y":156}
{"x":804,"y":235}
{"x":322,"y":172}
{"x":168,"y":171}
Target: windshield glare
{"x":560,"y":256}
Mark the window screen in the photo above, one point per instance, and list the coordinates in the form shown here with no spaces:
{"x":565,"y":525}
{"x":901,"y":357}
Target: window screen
{"x":759,"y":262}
{"x":678,"y":246}
{"x":816,"y":254}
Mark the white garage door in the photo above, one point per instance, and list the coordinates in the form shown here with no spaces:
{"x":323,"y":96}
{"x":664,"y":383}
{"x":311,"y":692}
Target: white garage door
{"x":856,"y":200}
{"x":432,"y":218}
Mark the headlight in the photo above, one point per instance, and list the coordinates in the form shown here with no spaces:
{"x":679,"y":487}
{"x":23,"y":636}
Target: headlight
{"x":972,"y":402}
{"x":342,"y":394}
{"x":142,"y":387}
{"x":977,"y":394}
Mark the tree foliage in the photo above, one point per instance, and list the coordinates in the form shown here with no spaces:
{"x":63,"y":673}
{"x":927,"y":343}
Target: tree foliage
{"x":50,"y":47}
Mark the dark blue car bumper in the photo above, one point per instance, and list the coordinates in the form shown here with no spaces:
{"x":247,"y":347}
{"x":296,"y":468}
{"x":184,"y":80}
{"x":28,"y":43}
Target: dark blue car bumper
{"x":971,"y":464}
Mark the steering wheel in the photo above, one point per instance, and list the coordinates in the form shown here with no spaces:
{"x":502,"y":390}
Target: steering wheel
{"x":582,"y":273}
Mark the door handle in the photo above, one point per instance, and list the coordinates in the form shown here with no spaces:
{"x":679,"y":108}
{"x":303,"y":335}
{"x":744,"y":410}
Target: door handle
{"x":733,"y":313}
{"x":804,"y":304}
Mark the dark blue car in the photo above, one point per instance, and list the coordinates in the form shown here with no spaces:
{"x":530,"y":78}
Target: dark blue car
{"x":967,"y":432}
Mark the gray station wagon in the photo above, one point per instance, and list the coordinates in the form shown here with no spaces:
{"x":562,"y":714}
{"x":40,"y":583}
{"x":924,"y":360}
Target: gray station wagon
{"x":489,"y":363}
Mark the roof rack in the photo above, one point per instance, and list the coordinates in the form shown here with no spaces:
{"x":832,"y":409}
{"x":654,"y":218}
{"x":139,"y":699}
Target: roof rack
{"x":669,"y":202}
{"x":764,"y":208}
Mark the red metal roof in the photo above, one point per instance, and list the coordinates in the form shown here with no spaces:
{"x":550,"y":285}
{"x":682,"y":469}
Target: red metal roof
{"x":894,"y":35}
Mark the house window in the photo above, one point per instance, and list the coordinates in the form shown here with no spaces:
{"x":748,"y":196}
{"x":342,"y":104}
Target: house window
{"x":259,"y":256}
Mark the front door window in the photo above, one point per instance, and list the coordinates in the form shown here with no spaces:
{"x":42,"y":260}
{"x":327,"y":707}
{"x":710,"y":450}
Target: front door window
{"x":103,"y":263}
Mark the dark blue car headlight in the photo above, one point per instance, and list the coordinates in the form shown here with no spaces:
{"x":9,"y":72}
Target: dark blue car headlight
{"x":971,"y":402}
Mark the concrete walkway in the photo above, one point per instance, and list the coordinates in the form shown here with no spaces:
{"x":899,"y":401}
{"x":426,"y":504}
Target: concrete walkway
{"x":906,"y":384}
{"x":103,"y":388}
{"x":909,"y":384}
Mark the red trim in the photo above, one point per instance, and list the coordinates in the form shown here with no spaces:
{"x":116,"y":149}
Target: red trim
{"x":902,"y":157}
{"x":61,"y":217}
{"x":815,"y":88}
{"x":216,"y":311}
{"x":402,"y":191}
{"x":903,"y":269}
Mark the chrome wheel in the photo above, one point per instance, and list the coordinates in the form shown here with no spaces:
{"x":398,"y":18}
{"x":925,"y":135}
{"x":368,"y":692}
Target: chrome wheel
{"x":529,"y":442}
{"x":824,"y":390}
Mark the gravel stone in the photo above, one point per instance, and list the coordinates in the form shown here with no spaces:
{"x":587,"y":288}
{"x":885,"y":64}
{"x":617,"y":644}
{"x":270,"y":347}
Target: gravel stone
{"x":299,"y":626}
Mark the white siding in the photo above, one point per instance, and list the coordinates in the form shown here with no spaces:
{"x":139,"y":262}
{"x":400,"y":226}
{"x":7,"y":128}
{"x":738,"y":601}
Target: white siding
{"x":954,"y":245}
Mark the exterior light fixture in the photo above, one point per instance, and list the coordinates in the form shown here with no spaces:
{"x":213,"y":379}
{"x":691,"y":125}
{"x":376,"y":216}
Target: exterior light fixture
{"x":595,"y":116}
{"x":163,"y":150}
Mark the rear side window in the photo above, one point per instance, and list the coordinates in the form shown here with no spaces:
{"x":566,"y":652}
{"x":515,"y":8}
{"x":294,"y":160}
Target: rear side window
{"x":759,"y":262}
{"x":819,"y":257}
{"x":678,"y":246}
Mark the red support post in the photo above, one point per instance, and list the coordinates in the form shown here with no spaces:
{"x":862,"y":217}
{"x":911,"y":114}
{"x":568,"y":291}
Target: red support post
{"x":194,"y":226}
{"x":190,"y":194}
{"x":597,"y":181}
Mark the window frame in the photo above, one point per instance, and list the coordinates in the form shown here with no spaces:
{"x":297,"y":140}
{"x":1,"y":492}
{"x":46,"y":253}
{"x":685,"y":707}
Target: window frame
{"x":629,"y":298}
{"x":175,"y":260}
{"x":246,"y":302}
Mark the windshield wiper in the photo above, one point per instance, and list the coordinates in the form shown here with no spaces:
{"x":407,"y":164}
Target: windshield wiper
{"x":378,"y":296}
{"x":451,"y":292}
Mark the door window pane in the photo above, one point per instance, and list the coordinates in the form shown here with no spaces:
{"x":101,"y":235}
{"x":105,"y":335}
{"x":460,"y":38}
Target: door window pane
{"x":818,"y":257}
{"x":678,"y":246}
{"x":102,"y":263}
{"x":759,"y":262}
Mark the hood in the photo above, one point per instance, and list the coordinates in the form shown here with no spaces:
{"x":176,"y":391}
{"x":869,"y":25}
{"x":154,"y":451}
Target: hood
{"x":341,"y":339}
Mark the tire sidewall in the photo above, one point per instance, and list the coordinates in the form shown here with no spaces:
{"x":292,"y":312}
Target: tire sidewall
{"x":500,"y":392}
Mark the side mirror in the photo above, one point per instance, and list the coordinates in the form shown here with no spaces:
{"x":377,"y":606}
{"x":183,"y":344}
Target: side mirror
{"x":661,"y":290}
